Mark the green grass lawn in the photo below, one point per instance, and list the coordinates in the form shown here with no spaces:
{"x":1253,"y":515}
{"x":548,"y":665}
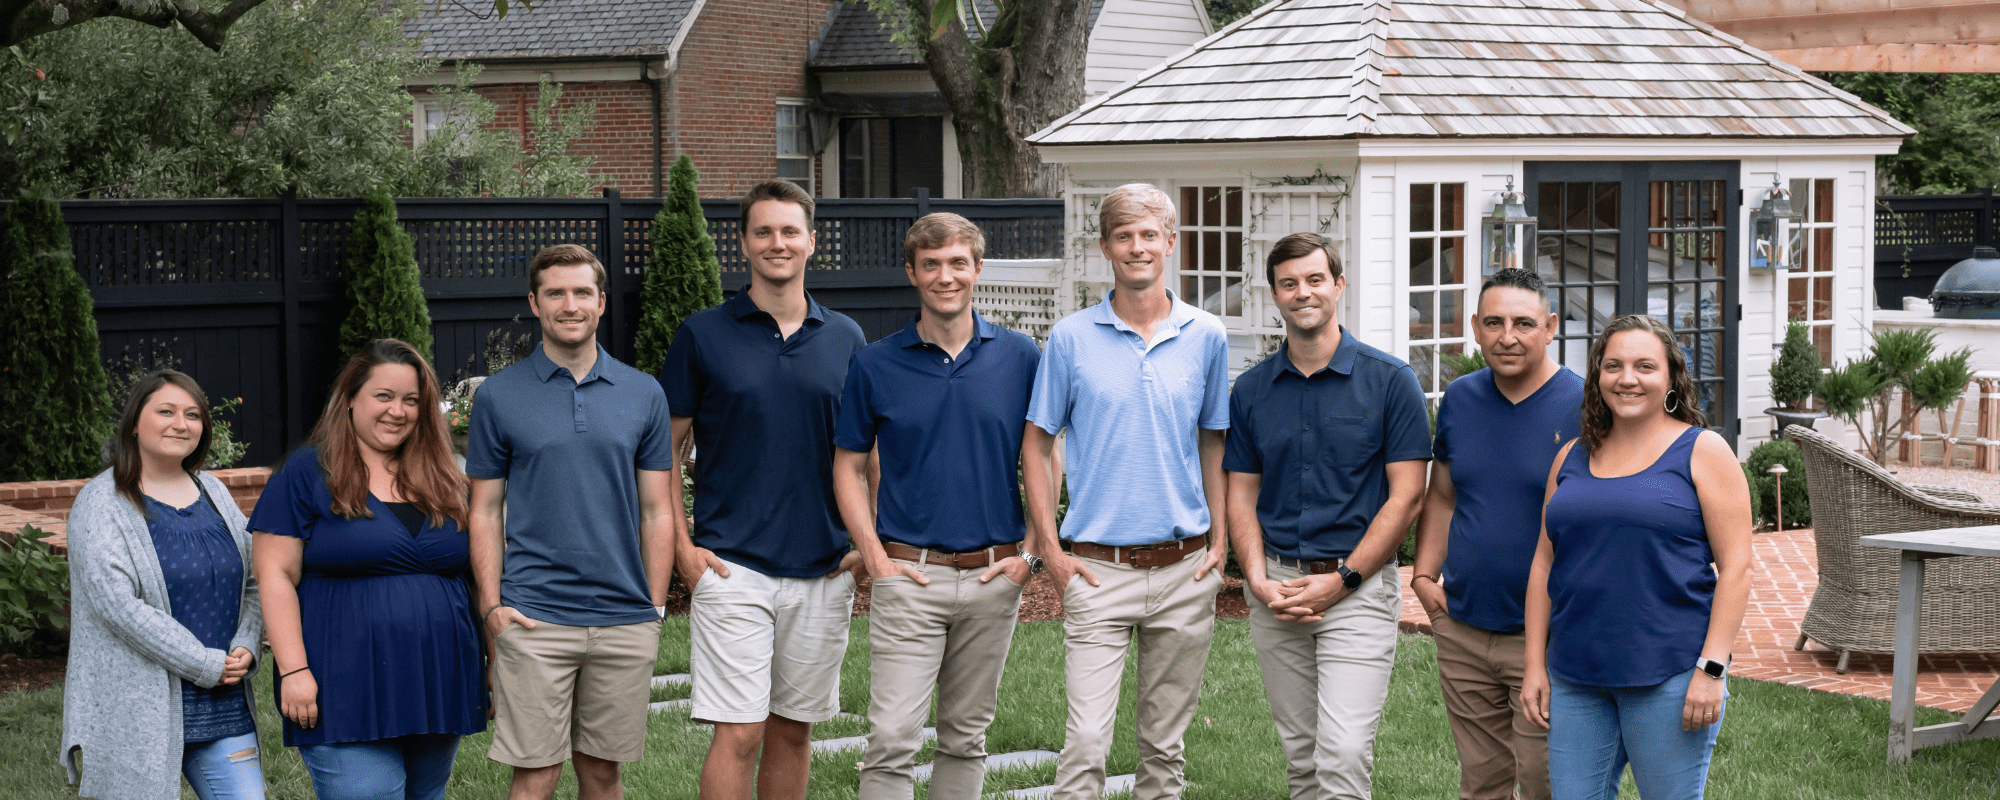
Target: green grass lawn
{"x":1777,"y":742}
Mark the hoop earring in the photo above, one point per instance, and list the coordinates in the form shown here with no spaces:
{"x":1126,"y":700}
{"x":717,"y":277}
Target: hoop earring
{"x":1673,"y":401}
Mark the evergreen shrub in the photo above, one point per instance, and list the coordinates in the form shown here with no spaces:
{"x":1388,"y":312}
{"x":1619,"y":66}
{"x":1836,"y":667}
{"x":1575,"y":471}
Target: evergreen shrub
{"x":52,"y":381}
{"x":383,"y":282}
{"x":1795,"y":376}
{"x":682,"y":275}
{"x":1764,"y":485}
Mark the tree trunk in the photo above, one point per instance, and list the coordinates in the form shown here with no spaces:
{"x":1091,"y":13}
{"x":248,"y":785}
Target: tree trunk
{"x":1026,"y":73}
{"x":21,"y":20}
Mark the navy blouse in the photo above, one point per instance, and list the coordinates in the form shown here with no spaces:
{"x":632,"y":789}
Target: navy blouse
{"x":204,"y":575}
{"x":1633,"y":578}
{"x":387,"y":617}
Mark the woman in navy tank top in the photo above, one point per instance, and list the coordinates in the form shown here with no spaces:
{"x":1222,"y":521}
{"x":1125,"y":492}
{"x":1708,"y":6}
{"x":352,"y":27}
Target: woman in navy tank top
{"x":1640,"y":579}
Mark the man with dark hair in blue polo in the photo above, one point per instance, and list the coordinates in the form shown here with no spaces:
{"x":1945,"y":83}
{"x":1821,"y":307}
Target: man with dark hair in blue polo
{"x":1498,"y":430}
{"x":942,"y":402}
{"x":755,"y":383}
{"x":1326,"y":468}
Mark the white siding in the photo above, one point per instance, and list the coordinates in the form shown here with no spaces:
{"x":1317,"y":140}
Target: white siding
{"x":1133,"y":36}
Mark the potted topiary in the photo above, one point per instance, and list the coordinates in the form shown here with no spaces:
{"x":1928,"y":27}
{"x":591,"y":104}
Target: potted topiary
{"x":1794,"y":379}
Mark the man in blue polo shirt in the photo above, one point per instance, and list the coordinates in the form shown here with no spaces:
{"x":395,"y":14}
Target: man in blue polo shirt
{"x":943,"y":400}
{"x":755,"y":385}
{"x":575,"y":446}
{"x":1498,"y":430}
{"x":1141,"y":382}
{"x":1326,"y":469}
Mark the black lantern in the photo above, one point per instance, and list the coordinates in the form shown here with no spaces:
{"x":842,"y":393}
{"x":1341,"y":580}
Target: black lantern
{"x":1777,"y":238}
{"x":1510,"y":232}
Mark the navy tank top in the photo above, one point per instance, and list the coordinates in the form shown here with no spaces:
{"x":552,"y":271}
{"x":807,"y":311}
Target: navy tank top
{"x":1633,"y":578}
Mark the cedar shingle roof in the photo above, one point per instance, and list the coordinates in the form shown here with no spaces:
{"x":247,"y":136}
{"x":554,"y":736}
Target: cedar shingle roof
{"x":551,"y":29}
{"x":1328,"y":69}
{"x":858,"y":38}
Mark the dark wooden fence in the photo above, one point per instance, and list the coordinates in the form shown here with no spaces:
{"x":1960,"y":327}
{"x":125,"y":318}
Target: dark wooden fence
{"x":247,"y":294}
{"x":1918,"y":237}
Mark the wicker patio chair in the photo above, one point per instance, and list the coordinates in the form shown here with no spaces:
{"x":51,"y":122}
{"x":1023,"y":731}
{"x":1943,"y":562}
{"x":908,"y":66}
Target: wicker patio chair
{"x":1854,"y":608}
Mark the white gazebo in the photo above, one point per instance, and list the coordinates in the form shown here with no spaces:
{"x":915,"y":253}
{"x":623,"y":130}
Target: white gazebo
{"x":1644,"y":142}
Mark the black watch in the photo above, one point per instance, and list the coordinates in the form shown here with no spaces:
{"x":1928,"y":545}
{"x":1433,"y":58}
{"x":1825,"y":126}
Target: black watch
{"x":1348,"y":577}
{"x":1035,"y":563}
{"x":1712,"y":667}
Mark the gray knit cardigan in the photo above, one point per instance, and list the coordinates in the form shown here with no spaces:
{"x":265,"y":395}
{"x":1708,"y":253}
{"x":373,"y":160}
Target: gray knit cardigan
{"x":122,"y":698}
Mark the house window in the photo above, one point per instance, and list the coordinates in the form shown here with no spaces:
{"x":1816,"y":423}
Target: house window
{"x":1437,"y":282}
{"x":1809,"y":289}
{"x":794,"y":145}
{"x":891,"y":157}
{"x":1211,"y":248}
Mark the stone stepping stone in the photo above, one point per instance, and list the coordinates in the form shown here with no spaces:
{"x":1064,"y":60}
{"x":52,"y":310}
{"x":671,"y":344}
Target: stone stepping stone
{"x":669,"y":705}
{"x":858,"y":742}
{"x":1024,"y":758}
{"x":1112,"y":785}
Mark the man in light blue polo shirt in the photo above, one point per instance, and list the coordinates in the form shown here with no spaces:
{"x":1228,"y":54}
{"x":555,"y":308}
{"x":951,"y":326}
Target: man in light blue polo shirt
{"x":1141,"y":383}
{"x":1498,"y":430}
{"x":577,"y":448}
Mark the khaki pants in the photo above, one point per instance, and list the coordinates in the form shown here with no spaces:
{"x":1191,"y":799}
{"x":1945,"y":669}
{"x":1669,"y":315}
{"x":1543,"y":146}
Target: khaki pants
{"x":952,"y":636}
{"x":1480,"y":673}
{"x":558,"y":689}
{"x":1174,"y":617}
{"x":1327,"y":682}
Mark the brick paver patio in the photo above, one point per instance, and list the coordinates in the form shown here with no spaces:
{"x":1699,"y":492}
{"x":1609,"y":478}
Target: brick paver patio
{"x":1786,"y":576}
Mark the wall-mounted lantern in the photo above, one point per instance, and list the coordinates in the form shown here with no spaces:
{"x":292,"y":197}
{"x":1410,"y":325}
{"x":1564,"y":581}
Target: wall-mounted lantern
{"x":1777,"y":238}
{"x":1510,"y":233}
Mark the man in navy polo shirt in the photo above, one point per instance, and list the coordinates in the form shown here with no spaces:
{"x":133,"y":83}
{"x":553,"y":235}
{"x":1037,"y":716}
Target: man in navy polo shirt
{"x":943,"y":400}
{"x":1326,"y":469}
{"x":575,"y":445}
{"x":1141,"y":382}
{"x":755,"y":385}
{"x":1498,"y":430}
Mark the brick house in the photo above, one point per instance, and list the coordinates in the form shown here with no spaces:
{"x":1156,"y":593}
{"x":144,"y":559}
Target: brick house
{"x":810,"y":90}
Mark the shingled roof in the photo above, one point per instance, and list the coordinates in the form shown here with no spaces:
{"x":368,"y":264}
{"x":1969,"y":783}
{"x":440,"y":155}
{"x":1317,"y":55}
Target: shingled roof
{"x":551,"y":29}
{"x":1331,"y":69}
{"x":858,"y":38}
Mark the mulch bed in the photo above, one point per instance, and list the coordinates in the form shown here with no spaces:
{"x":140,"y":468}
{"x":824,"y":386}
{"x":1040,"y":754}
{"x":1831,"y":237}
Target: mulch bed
{"x":18,"y":674}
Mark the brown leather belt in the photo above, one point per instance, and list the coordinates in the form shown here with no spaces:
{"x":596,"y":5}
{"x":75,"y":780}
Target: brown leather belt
{"x":1144,"y":556}
{"x":977,"y":559}
{"x":1302,"y":565}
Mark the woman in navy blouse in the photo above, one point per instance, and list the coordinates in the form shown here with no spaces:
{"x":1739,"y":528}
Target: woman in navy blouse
{"x":1640,"y":579}
{"x":361,"y":551}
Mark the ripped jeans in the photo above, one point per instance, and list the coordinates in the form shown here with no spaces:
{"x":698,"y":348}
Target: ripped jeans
{"x":225,"y":769}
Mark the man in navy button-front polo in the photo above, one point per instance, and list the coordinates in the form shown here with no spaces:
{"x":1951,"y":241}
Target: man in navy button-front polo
{"x":1326,"y":457}
{"x":941,"y":402}
{"x":574,"y":447}
{"x":755,"y":385}
{"x":1141,"y":381}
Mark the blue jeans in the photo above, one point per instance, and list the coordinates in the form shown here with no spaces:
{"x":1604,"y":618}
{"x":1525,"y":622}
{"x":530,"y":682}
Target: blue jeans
{"x":415,"y":767}
{"x":215,"y":772}
{"x":1595,"y":730}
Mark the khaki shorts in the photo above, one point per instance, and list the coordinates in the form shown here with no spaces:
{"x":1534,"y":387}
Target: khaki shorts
{"x":558,"y":689}
{"x":765,"y":645}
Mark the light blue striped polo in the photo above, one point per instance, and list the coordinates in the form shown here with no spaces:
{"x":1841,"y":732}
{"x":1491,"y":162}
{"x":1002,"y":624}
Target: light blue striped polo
{"x":1133,"y":465}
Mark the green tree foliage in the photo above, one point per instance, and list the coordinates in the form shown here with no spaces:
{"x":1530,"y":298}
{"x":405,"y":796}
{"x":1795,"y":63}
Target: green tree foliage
{"x":1899,"y":364}
{"x":1796,"y":375}
{"x":1223,"y":12}
{"x":382,"y":281}
{"x":1764,"y":485}
{"x":1957,"y":117}
{"x":682,"y":275}
{"x":307,"y":95}
{"x":51,"y":377}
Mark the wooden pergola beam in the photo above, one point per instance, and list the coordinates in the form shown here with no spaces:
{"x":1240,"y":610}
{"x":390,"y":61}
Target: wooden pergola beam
{"x":1895,"y":58}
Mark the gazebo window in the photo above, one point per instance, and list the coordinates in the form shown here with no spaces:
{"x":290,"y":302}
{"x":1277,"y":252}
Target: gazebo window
{"x":1437,"y":281}
{"x":1809,"y":289}
{"x":1211,"y":249}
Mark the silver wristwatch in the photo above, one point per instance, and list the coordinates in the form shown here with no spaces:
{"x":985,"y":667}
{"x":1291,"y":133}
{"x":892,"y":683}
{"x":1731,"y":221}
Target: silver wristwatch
{"x":1035,"y":562}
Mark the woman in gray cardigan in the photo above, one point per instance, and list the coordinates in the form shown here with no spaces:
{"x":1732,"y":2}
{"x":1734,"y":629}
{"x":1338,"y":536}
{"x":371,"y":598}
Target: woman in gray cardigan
{"x":159,"y":689}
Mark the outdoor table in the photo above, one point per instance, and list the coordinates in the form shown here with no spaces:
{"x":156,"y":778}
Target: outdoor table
{"x":1918,"y":547}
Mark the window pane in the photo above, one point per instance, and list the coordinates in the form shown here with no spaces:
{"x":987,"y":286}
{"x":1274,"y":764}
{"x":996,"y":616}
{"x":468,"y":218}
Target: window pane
{"x":1822,"y":298}
{"x":1822,"y":250}
{"x":1604,"y":257}
{"x":1232,"y":297}
{"x":1190,"y":289}
{"x":1451,"y":318}
{"x":1823,"y":339}
{"x":1423,"y":359}
{"x":1423,"y":211}
{"x":1190,"y":206}
{"x":1607,"y":206}
{"x":1796,"y":299}
{"x":1421,"y":268}
{"x":1232,"y":246}
{"x":1233,"y":202}
{"x":1577,"y":205}
{"x":1659,"y":303}
{"x":1191,"y":256}
{"x":1423,"y":314}
{"x":1451,"y":261}
{"x":1548,"y":206}
{"x":1211,"y":205}
{"x":1822,"y":200}
{"x":1452,"y":206}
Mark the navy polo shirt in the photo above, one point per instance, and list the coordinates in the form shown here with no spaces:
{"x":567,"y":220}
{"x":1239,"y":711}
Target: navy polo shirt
{"x":568,"y":450}
{"x":763,"y":408}
{"x":1499,"y":452}
{"x":950,"y":431}
{"x":1322,"y":444}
